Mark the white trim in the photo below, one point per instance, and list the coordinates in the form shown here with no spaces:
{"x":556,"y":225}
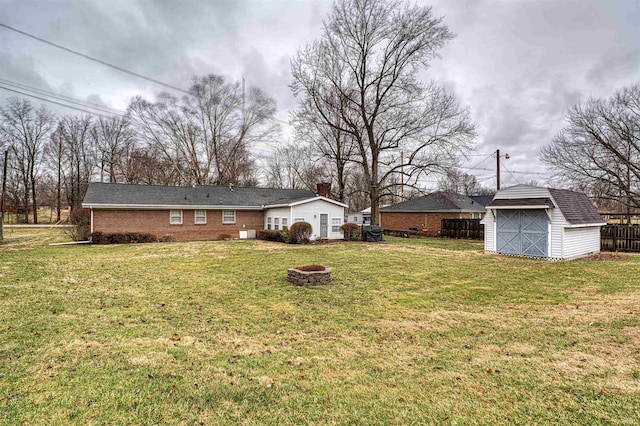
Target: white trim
{"x":171,"y":216}
{"x":585,"y":225}
{"x":170,"y":207}
{"x":91,"y":220}
{"x":195,"y":217}
{"x":339,"y":225}
{"x":527,"y":207}
{"x":433,"y":211}
{"x":208,"y":206}
{"x":305,"y":201}
{"x":226,"y":222}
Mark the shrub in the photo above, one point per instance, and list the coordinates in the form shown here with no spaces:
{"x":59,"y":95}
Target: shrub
{"x":270,"y":235}
{"x":167,"y":238}
{"x":351,"y":231}
{"x":80,"y":219}
{"x":147,"y":238}
{"x":117,"y":238}
{"x":285,"y":234}
{"x":102,"y":238}
{"x":300,"y":232}
{"x":98,"y":238}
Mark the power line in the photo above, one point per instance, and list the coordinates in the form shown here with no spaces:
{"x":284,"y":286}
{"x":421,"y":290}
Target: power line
{"x":91,"y":58}
{"x":43,"y":92}
{"x":54,"y":102}
{"x":512,"y":175}
{"x":472,"y":168}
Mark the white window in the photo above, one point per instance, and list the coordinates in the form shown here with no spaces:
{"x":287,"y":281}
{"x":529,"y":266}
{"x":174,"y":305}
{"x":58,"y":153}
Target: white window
{"x":298,"y":219}
{"x":285,"y":222}
{"x":335,"y":224}
{"x":200,"y":217}
{"x":471,"y":215}
{"x":228,"y":216}
{"x":269,"y":223}
{"x":276,"y":223}
{"x":175,"y":217}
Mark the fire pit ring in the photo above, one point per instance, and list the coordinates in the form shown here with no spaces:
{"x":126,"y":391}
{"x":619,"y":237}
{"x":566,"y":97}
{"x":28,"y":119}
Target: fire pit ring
{"x":309,"y":275}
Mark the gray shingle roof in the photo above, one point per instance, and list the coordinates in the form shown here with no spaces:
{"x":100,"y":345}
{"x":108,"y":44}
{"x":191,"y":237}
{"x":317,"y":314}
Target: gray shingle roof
{"x":437,"y":202}
{"x":482,"y":199}
{"x":576,"y":207}
{"x":125,"y":194}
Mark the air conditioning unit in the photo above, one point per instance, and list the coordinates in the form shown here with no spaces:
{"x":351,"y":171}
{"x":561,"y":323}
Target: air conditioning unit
{"x":248,"y":234}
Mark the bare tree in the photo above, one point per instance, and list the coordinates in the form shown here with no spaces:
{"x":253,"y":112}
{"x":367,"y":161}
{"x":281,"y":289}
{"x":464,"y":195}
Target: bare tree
{"x":322,"y":131}
{"x":206,"y":136}
{"x":600,"y":147}
{"x":365,"y":66}
{"x":290,"y":166}
{"x":455,"y":180}
{"x":113,"y":138}
{"x":26,"y":129}
{"x":77,"y":154}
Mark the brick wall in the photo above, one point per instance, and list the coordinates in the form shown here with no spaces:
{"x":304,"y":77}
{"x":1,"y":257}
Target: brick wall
{"x":429,"y":223}
{"x":157,"y":222}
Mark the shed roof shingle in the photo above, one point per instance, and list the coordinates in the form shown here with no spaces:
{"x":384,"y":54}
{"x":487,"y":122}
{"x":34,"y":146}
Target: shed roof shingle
{"x":576,"y":207}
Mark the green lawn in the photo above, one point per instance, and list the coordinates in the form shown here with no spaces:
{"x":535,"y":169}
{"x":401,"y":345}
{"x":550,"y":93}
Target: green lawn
{"x":409,"y":332}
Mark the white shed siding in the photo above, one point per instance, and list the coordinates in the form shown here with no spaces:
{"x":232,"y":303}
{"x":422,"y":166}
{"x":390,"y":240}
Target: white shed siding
{"x":564,"y":242}
{"x":489,"y":232}
{"x":311,"y":213}
{"x":556,"y":235}
{"x":581,"y":241}
{"x":522,"y":191}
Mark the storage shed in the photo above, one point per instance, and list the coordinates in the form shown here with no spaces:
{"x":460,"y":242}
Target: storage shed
{"x":555,"y":224}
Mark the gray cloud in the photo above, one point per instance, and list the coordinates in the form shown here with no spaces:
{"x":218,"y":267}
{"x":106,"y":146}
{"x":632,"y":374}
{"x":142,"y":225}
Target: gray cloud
{"x":518,"y":64}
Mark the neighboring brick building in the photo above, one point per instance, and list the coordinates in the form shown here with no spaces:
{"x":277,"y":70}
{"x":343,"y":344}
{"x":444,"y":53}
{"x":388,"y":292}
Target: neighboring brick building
{"x":425,"y":214}
{"x":209,"y":212}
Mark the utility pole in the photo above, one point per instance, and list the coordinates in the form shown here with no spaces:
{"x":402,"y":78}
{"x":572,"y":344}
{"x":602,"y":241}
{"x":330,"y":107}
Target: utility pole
{"x":497,"y":170}
{"x":4,"y":190}
{"x":506,"y":156}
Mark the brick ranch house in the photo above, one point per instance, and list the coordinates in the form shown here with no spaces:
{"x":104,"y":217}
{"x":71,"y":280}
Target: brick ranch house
{"x":210,"y":212}
{"x":425,"y":214}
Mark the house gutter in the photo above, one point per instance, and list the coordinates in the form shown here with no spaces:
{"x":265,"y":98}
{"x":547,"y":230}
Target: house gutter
{"x":434,"y":211}
{"x":167,"y":206}
{"x":585,"y":225}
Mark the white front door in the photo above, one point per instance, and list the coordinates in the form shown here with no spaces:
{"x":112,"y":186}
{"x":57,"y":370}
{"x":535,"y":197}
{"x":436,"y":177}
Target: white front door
{"x":324,"y":225}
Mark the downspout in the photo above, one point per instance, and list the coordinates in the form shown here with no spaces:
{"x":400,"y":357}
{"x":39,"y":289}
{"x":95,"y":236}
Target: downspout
{"x":91,"y":220}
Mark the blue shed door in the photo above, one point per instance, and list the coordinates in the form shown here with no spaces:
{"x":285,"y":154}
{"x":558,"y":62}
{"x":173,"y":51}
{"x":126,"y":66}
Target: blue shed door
{"x":522,"y":232}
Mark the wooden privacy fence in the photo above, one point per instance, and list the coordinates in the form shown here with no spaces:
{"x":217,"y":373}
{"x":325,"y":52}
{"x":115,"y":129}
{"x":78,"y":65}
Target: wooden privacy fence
{"x":470,"y":229}
{"x":620,"y":238}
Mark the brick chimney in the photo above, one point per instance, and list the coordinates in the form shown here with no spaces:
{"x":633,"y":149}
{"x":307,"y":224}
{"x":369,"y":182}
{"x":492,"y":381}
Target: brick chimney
{"x":324,"y":189}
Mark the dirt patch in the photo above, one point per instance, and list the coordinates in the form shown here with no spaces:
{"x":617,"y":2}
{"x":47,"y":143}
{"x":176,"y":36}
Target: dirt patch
{"x":604,"y":256}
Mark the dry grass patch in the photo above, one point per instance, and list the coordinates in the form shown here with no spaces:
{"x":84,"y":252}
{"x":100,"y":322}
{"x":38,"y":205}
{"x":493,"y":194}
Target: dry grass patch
{"x":409,"y":332}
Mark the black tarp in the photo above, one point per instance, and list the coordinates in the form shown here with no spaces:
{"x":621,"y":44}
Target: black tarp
{"x":371,"y":234}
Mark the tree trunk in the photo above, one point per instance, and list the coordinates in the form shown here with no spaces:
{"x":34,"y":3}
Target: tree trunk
{"x":33,"y":197}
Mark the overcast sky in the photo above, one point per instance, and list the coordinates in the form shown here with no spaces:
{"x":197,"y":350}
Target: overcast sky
{"x":517,"y":64}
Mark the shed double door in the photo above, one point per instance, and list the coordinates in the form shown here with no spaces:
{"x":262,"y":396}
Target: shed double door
{"x":522,"y":232}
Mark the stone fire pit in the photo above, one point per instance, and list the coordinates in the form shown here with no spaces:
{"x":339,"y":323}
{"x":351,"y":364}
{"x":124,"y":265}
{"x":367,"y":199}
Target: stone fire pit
{"x":309,"y":275}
